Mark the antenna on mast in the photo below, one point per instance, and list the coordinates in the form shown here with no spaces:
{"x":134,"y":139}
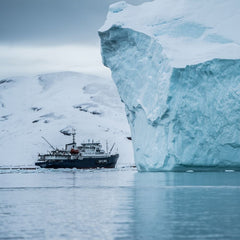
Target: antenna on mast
{"x":74,"y":134}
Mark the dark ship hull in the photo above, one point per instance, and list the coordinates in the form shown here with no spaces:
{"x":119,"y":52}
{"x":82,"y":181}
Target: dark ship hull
{"x":85,"y":163}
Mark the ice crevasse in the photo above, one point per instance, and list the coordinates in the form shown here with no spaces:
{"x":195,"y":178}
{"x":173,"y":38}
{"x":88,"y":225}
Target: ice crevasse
{"x":176,"y":64}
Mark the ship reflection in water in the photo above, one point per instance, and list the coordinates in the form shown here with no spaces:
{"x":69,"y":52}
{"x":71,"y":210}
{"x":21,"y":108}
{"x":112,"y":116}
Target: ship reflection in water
{"x":119,"y":204}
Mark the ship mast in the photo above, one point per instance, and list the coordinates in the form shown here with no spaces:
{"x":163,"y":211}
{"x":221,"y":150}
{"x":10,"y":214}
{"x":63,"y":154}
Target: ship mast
{"x":74,"y":134}
{"x":106,"y":146}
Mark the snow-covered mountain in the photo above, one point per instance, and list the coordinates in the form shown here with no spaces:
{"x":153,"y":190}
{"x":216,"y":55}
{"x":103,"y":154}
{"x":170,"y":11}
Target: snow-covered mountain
{"x":176,"y":64}
{"x":43,"y":105}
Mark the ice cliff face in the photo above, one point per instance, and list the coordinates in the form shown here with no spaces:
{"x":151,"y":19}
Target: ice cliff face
{"x":176,"y":65}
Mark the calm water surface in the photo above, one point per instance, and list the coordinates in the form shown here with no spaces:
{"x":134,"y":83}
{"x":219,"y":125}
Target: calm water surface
{"x":119,"y":204}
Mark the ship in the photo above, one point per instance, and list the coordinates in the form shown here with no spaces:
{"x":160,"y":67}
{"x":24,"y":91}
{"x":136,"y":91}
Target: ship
{"x":87,"y":155}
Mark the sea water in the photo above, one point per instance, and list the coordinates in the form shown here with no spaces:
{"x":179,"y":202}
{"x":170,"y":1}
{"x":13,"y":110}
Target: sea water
{"x":119,"y":204}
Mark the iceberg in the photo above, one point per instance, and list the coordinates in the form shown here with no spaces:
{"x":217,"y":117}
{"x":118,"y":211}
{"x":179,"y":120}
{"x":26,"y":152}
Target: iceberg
{"x":176,"y":65}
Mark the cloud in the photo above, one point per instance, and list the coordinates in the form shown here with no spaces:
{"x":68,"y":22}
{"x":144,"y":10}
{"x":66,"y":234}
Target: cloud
{"x":23,"y":60}
{"x":39,"y":36}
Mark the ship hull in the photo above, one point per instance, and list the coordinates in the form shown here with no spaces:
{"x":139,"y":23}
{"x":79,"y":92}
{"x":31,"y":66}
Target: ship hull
{"x":85,"y":163}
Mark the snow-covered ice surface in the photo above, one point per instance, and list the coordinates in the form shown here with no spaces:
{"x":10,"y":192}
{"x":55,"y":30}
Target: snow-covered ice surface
{"x":189,"y":32}
{"x":176,"y":65}
{"x":43,"y":105}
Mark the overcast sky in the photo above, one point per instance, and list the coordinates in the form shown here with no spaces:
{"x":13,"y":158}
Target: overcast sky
{"x":38,"y":36}
{"x":46,"y":22}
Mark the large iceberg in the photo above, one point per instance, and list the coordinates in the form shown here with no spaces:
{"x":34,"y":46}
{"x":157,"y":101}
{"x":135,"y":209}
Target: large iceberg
{"x":176,"y":65}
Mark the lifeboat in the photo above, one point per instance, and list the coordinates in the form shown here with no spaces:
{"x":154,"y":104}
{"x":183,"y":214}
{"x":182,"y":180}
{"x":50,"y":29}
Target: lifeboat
{"x":74,"y":151}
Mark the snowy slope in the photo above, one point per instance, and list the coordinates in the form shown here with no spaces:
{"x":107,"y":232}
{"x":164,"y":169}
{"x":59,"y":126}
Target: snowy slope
{"x":31,"y":107}
{"x":176,"y":64}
